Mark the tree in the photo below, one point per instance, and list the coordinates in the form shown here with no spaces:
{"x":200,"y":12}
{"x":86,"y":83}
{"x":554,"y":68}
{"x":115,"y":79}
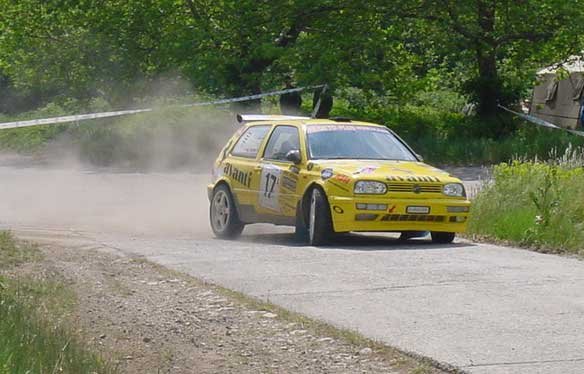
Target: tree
{"x":498,"y":32}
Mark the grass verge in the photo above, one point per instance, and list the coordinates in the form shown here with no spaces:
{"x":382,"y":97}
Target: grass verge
{"x":534,"y":204}
{"x":33,"y":338}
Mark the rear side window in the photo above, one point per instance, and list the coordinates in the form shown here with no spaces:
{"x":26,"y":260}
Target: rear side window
{"x":283,"y":140}
{"x":250,"y":142}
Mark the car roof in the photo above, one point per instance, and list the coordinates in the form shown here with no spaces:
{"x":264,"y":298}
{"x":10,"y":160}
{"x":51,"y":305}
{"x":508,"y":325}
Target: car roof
{"x":311,"y":122}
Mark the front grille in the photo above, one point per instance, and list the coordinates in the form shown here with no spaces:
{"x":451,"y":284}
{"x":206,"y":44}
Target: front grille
{"x":413,"y":218}
{"x":414,"y":187}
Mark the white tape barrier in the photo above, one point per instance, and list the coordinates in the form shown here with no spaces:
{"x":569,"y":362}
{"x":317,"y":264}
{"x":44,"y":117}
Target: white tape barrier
{"x":83,"y":117}
{"x":541,"y":122}
{"x":257,"y":96}
{"x":65,"y":119}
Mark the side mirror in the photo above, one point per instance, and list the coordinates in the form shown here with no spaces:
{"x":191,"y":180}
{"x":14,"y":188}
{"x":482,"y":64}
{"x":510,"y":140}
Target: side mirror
{"x":294,"y":156}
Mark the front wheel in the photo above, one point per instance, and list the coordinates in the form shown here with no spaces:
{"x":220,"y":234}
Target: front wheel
{"x":320,"y":228}
{"x":225,"y":222}
{"x":442,"y":237}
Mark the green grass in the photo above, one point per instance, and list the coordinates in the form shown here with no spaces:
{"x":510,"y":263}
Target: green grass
{"x":12,"y":253}
{"x":34,"y":337}
{"x":534,"y":204}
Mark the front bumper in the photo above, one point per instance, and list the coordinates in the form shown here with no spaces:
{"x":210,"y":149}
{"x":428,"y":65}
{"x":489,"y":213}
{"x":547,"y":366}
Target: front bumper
{"x":441,"y":215}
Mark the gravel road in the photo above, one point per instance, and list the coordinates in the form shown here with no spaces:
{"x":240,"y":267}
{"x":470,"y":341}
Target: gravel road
{"x":484,"y":308}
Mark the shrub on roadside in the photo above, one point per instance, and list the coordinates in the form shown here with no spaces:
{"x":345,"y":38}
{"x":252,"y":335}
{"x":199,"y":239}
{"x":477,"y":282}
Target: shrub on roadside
{"x":534,"y":203}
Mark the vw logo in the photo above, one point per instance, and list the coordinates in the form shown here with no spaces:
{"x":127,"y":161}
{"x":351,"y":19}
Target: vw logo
{"x":417,"y":188}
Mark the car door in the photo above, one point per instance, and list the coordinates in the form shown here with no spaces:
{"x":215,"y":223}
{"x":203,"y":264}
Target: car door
{"x":242,"y":165}
{"x":278,"y":190}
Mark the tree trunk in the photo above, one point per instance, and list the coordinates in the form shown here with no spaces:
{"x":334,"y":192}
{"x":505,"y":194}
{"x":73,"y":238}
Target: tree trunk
{"x":488,"y":84}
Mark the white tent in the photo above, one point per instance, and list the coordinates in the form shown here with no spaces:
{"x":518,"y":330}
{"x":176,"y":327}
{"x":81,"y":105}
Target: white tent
{"x":573,"y":64}
{"x":558,"y":98}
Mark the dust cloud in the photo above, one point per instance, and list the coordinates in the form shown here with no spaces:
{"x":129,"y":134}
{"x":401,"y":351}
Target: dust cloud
{"x":134,"y":204}
{"x":139,"y":176}
{"x":168,"y":139}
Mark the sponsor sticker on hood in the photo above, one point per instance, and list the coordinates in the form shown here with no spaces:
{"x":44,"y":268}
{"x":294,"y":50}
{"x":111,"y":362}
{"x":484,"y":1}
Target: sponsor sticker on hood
{"x":342,"y":178}
{"x":366,"y":170}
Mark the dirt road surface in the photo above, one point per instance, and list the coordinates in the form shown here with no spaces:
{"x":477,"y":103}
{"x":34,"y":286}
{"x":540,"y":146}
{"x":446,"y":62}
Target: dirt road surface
{"x":483,"y":308}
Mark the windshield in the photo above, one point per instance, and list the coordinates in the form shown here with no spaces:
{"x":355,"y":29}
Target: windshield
{"x":355,"y":142}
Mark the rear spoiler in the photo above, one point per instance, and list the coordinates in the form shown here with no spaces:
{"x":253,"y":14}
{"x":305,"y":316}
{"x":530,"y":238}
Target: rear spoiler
{"x":245,"y":118}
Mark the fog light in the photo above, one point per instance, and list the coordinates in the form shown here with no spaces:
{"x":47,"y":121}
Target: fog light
{"x":457,"y":209}
{"x":362,"y":206}
{"x":458,"y":219}
{"x":366,"y":217}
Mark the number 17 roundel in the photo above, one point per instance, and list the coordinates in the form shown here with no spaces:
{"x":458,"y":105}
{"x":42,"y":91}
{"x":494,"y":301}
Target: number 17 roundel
{"x":270,"y":187}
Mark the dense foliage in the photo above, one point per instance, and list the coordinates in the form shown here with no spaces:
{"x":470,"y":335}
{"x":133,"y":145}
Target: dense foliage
{"x":123,"y":50}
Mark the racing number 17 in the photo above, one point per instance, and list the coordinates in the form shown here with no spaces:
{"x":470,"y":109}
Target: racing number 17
{"x":271,"y":180}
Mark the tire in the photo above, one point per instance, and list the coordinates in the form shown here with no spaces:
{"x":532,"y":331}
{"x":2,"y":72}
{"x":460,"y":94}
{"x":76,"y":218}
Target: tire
{"x":442,"y":237}
{"x":223,"y":216}
{"x":301,"y":228}
{"x":320,"y":228}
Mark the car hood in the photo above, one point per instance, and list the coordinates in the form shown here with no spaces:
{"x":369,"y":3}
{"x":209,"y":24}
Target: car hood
{"x":385,"y":170}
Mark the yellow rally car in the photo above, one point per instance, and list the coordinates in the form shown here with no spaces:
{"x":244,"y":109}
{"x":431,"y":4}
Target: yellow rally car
{"x":328,"y":176}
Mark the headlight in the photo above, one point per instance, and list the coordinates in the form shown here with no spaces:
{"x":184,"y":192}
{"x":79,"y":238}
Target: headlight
{"x":370,"y":187}
{"x":454,"y":189}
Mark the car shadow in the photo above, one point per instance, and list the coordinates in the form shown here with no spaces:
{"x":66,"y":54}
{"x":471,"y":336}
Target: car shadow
{"x":357,"y":242}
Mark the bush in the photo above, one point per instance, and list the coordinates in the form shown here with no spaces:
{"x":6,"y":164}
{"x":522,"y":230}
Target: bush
{"x":533,"y":203}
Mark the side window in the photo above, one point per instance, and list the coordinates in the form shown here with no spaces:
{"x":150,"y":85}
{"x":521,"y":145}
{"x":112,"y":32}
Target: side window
{"x":250,"y":142}
{"x":283,"y":140}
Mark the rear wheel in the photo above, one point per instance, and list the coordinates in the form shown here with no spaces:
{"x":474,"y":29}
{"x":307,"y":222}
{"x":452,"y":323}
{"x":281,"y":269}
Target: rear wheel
{"x":442,"y":237}
{"x":320,"y":228}
{"x":225,"y":222}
